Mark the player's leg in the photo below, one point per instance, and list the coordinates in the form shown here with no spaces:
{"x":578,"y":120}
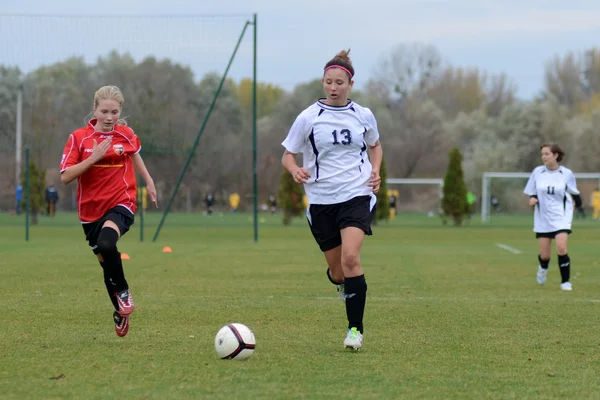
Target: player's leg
{"x":355,"y":219}
{"x":355,"y":285}
{"x":544,"y":243}
{"x":115,"y":224}
{"x":92,"y":231}
{"x":323,"y":226}
{"x":108,"y":282}
{"x":564,"y":262}
{"x":107,"y":246}
{"x":335,"y":273}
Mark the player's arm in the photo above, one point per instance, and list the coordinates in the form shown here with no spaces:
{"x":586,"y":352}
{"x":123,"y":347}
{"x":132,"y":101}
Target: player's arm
{"x":140,"y":167}
{"x":573,"y":191}
{"x":293,"y":144}
{"x":530,"y":190}
{"x":375,"y":156}
{"x":375,"y":150}
{"x":75,"y":171}
{"x":288,"y":160}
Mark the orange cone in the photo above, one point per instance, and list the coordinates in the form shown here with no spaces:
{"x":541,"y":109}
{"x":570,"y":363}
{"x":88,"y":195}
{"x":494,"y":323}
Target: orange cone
{"x":125,"y":256}
{"x":167,"y":249}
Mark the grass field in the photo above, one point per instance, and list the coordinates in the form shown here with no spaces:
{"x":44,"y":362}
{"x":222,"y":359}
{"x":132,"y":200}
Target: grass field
{"x":452,"y":313}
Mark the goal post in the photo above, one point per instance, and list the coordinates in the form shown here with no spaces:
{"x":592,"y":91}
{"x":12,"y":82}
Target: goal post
{"x":420,"y":181}
{"x":486,"y":184}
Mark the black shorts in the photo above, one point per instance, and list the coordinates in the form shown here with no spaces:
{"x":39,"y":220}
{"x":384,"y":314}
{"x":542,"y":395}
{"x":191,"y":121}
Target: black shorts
{"x":551,"y":235}
{"x":121,"y":216}
{"x":326,"y":220}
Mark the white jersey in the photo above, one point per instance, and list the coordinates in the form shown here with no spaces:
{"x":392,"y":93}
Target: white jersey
{"x":333,"y":142}
{"x":553,"y":189}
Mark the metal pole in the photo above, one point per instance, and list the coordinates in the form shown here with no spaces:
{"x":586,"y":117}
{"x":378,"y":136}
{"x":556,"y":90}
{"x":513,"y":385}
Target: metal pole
{"x":254,"y":149}
{"x":485,"y":198}
{"x":19,"y":135}
{"x":27,"y":194}
{"x":202,"y":127}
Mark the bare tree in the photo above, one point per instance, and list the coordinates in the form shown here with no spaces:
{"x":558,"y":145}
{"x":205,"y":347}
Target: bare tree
{"x":406,"y":69}
{"x":500,"y":92}
{"x":564,"y":80}
{"x":417,"y":136}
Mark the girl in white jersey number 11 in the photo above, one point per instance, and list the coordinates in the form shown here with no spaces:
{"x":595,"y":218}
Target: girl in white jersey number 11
{"x":339,"y":142}
{"x":552,"y":190}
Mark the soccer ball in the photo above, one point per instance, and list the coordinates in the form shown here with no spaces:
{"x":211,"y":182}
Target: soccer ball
{"x":235,"y":342}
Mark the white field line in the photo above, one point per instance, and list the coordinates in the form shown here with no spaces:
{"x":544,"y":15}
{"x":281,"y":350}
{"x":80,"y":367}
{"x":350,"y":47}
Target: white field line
{"x":561,"y":296}
{"x":421,"y":298}
{"x":332,"y":298}
{"x":508,"y":248}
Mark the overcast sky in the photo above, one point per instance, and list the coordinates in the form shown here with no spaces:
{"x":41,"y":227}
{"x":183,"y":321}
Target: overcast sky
{"x":296,"y":38}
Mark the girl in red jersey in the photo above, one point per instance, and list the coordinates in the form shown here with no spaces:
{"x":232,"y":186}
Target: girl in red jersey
{"x":103,"y":157}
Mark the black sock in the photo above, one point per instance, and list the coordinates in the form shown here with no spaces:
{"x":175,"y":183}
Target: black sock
{"x":356,"y":297}
{"x":110,"y":287}
{"x":564,"y":264}
{"x":107,"y":246}
{"x":543,"y":263}
{"x":331,"y":279}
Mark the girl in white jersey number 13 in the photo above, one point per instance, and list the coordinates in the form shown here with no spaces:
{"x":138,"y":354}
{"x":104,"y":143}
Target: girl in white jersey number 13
{"x":339,"y":142}
{"x":552,"y":190}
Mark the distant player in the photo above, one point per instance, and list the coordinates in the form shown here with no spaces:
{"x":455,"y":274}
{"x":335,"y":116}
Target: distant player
{"x":102,"y":157}
{"x":392,"y":202}
{"x":340,"y":180}
{"x":471,"y":199}
{"x":495,"y":204}
{"x":234,"y":201}
{"x":51,"y":200}
{"x":273,"y":203}
{"x":209,"y":201}
{"x":595,"y":201}
{"x":18,"y":198}
{"x":552,"y":190}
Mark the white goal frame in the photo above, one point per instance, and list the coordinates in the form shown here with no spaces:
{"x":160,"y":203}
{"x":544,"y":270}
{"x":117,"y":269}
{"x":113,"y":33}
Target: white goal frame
{"x":486,"y":183}
{"x":419,"y":181}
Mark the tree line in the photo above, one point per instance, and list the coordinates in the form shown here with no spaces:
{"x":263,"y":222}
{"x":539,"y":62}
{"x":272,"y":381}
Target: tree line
{"x":424,"y":108}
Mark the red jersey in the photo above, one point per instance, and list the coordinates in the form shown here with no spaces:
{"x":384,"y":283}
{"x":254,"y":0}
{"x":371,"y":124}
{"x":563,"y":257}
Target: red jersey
{"x":111,"y":181}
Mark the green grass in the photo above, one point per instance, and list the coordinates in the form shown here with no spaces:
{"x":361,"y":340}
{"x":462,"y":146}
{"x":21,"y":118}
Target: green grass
{"x":449,"y":314}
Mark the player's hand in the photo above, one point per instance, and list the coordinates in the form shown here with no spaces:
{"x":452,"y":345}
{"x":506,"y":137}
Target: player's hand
{"x":375,"y":181}
{"x":532,"y":201}
{"x":100,"y":150}
{"x":301,"y":175}
{"x":152,"y":193}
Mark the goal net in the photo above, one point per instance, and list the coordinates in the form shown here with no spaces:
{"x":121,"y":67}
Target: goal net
{"x":502,"y":192}
{"x":168,"y":68}
{"x":416,"y":195}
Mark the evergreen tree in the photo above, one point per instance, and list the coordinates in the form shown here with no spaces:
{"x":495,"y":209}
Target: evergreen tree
{"x":454,"y":202}
{"x":37,"y":190}
{"x":290,"y":197}
{"x":383,"y":205}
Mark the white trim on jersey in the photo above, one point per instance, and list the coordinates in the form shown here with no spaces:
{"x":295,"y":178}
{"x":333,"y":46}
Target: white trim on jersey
{"x":334,"y":142}
{"x":553,"y":189}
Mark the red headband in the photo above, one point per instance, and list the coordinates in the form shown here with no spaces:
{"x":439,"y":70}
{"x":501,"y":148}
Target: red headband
{"x":340,"y":67}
